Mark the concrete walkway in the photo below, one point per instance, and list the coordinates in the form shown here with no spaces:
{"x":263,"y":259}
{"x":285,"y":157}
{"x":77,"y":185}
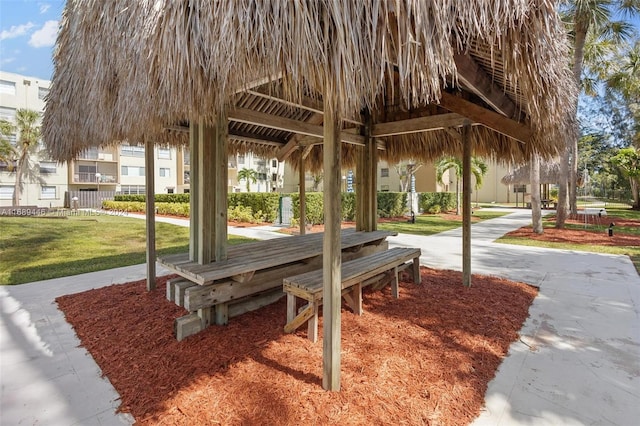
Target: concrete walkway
{"x":577,"y":362}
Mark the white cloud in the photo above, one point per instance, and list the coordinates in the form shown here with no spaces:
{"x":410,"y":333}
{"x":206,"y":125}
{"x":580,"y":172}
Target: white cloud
{"x":45,"y":36}
{"x":44,"y":7}
{"x":16,"y":31}
{"x":6,"y":60}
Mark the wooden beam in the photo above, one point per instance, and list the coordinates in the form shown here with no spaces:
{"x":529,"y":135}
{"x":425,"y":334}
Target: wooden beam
{"x":306,"y":151}
{"x":150,"y":214}
{"x":331,"y":253}
{"x":306,"y":103}
{"x":416,"y":125}
{"x":466,"y":205}
{"x":477,"y":80}
{"x":284,"y":152}
{"x":243,"y":115}
{"x":253,"y":138}
{"x":488,"y":118}
{"x":366,"y":178}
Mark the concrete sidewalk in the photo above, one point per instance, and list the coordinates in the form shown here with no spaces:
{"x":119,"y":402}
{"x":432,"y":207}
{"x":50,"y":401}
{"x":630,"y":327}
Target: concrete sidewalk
{"x":577,"y":362}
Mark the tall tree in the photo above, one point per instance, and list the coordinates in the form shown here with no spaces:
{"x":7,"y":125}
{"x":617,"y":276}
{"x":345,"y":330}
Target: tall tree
{"x":249,"y":176}
{"x":478,"y":169}
{"x":628,"y":160}
{"x":623,"y":94}
{"x":26,"y":146}
{"x":588,"y":19}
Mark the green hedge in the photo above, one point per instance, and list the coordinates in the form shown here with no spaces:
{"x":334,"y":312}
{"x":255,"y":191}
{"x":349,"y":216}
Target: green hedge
{"x":176,"y":209}
{"x":159,"y":198}
{"x":434,"y":202}
{"x":314,"y":207}
{"x":265,"y":202}
{"x":392,"y":204}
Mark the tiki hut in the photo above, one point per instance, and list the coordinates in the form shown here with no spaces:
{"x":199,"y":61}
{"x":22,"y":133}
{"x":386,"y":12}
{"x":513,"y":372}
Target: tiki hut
{"x":319,"y":83}
{"x":549,"y":174}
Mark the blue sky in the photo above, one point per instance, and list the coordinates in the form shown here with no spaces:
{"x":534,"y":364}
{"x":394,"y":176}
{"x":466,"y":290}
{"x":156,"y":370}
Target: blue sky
{"x":28,"y":30}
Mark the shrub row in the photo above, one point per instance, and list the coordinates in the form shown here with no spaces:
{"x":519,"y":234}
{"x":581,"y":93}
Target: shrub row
{"x":435,"y":202}
{"x":264,"y":202}
{"x":159,"y":198}
{"x":176,"y":209}
{"x":390,"y":204}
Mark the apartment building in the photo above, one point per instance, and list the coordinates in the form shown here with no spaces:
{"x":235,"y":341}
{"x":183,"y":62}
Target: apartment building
{"x":269,"y":173}
{"x":390,"y":178}
{"x":46,"y":181}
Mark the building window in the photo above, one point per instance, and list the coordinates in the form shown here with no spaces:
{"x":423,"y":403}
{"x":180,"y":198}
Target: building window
{"x":384,"y":172}
{"x":384,"y":188}
{"x":7,"y":87}
{"x":48,"y":192}
{"x":187,"y":177}
{"x":131,"y":151}
{"x":165,"y":172}
{"x":47,"y":167}
{"x":261,"y":176}
{"x":8,"y":114}
{"x":132,"y":171}
{"x":274,"y":177}
{"x":274,"y":164}
{"x":132,"y":189}
{"x":42,"y":92}
{"x":6,"y":192}
{"x":170,"y":190}
{"x":164,"y":154}
{"x":240,"y":158}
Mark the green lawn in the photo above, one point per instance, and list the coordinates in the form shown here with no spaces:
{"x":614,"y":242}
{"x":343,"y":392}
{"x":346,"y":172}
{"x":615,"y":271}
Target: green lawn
{"x":632,"y":251}
{"x":33,"y":249}
{"x":433,"y":224}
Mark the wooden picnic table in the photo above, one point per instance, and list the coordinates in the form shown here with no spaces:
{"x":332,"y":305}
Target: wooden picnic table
{"x":253,"y":273}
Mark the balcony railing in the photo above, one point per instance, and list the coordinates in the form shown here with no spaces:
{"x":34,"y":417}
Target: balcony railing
{"x":91,"y":178}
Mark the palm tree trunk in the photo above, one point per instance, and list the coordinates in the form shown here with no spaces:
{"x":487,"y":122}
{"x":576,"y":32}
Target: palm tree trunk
{"x":20,"y":167}
{"x":581,"y":29}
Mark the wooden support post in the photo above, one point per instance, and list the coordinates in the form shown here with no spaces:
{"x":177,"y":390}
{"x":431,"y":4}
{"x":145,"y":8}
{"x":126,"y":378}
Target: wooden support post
{"x":212,"y":188}
{"x":332,"y":261}
{"x":194,"y":160}
{"x":366,"y":179}
{"x":466,"y":204}
{"x":150,"y":214}
{"x":206,"y":193}
{"x":303,"y":193}
{"x":221,"y":167}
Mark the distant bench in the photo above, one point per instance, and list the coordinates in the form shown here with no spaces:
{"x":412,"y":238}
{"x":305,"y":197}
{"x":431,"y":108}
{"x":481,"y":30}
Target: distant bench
{"x":356,"y":274}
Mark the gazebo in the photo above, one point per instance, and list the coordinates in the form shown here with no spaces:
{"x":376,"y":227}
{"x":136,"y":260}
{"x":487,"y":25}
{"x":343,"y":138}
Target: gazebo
{"x":321,"y":84}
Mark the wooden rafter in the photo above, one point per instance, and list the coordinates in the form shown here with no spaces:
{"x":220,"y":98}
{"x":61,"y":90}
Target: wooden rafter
{"x":243,"y":115}
{"x":477,"y":80}
{"x":419,"y":124}
{"x":486,"y":117}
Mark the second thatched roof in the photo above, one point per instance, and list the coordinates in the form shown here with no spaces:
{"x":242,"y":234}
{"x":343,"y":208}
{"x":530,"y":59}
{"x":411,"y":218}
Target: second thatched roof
{"x":143,"y":70}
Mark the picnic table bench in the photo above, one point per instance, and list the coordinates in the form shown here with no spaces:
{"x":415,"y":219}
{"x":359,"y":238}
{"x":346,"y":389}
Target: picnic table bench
{"x":356,"y":274}
{"x":251,"y":276}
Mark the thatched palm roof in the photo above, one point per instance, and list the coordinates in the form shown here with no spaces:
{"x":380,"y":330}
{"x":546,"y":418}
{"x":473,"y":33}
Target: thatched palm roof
{"x":142,"y":70}
{"x":549,"y":174}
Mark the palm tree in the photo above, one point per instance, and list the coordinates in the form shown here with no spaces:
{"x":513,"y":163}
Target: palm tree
{"x":478,"y":169}
{"x":249,"y":176}
{"x":6,"y":149}
{"x":623,"y":82}
{"x":29,"y":135}
{"x":587,"y":19}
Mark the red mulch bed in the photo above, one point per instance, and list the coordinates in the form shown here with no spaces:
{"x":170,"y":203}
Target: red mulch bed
{"x":425,"y":358}
{"x":592,"y":234}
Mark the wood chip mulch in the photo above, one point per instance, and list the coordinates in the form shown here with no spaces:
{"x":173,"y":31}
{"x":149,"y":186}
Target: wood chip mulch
{"x":425,"y":358}
{"x":593,"y":234}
